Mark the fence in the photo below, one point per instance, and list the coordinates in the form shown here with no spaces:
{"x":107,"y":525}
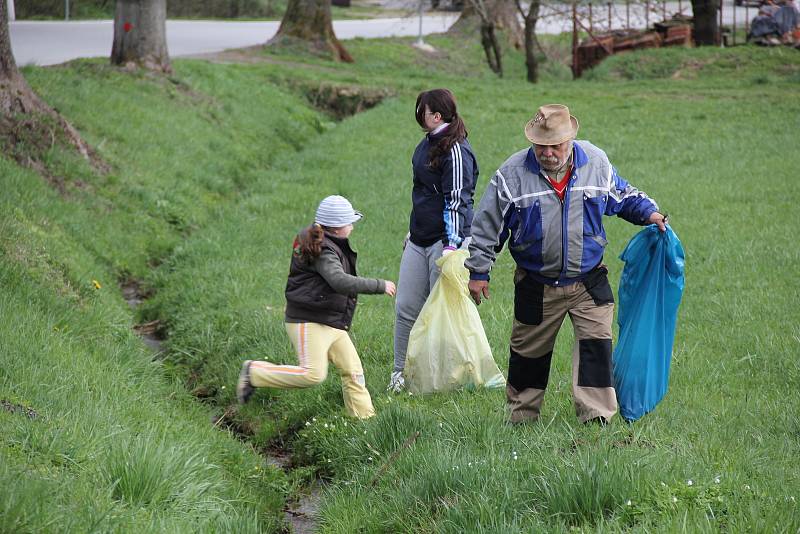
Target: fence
{"x":611,"y":27}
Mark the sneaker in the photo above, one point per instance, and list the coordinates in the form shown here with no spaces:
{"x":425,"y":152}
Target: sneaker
{"x":396,"y":382}
{"x":244,"y":390}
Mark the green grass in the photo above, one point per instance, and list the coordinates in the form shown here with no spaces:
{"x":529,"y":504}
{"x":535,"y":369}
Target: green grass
{"x":215,"y":171}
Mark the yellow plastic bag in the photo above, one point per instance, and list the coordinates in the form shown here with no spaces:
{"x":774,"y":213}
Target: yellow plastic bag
{"x":447,"y":347}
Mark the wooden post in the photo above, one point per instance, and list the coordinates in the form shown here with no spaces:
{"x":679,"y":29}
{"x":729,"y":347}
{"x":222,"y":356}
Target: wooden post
{"x":627,"y":14}
{"x":609,"y":16}
{"x":575,"y":72}
{"x":646,"y":14}
{"x":734,"y":24}
{"x":719,"y":32}
{"x":591,"y":26}
{"x":746,"y":19}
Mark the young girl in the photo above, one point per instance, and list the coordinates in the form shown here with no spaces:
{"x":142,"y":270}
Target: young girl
{"x":320,"y":303}
{"x":445,"y":173}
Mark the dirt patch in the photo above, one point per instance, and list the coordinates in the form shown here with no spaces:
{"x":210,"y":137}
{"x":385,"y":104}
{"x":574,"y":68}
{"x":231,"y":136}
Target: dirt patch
{"x":342,"y":101}
{"x":153,"y":333}
{"x":11,"y":407}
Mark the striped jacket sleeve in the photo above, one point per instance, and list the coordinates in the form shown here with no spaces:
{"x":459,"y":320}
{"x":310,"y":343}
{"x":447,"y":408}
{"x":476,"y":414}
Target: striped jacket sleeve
{"x":626,"y":201}
{"x":458,"y":185}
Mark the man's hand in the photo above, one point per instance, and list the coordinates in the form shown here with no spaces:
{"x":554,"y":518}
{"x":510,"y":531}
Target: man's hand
{"x":478,"y":289}
{"x":659,"y":220}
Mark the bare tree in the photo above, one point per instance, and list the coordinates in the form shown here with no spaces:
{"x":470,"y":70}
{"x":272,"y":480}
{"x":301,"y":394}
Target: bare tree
{"x":494,"y":56}
{"x":531,"y":43}
{"x":28,"y":126}
{"x":706,"y":25}
{"x":140,"y":34}
{"x":502,"y":14}
{"x":308,"y":23}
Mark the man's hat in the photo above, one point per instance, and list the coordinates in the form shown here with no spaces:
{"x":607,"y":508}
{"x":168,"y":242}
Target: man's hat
{"x":552,"y":125}
{"x":336,"y":211}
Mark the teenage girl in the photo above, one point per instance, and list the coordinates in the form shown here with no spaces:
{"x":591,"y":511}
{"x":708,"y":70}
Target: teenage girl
{"x":445,"y":172}
{"x":320,"y":303}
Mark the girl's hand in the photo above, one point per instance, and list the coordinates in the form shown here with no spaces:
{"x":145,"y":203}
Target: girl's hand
{"x":391,"y":289}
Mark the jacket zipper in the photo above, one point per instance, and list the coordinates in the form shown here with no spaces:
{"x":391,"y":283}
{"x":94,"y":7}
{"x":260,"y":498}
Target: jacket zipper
{"x":564,"y":222}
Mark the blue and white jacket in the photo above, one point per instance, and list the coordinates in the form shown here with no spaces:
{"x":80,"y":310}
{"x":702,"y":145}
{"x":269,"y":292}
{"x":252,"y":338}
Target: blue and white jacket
{"x":442,"y":197}
{"x":556,"y":242}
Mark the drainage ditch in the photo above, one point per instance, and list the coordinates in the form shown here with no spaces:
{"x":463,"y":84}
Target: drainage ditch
{"x":300,"y":511}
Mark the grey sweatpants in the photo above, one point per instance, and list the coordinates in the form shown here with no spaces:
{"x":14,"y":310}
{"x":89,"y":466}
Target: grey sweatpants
{"x":418,"y":274}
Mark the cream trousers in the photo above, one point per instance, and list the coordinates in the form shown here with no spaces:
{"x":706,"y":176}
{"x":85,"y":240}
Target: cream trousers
{"x":316,"y":344}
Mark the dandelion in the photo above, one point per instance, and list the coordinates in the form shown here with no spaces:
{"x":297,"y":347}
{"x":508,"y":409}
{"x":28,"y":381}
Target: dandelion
{"x":308,"y":423}
{"x":314,"y":419}
{"x":345,"y":423}
{"x":470,"y":464}
{"x":223,"y":387}
{"x":674,"y":499}
{"x":689,"y":483}
{"x":369,"y":458}
{"x":441,"y":424}
{"x":628,"y":503}
{"x":747,"y":486}
{"x":716,"y":480}
{"x":664,"y":485}
{"x":365,"y":432}
{"x":96,"y":284}
{"x":329,"y":460}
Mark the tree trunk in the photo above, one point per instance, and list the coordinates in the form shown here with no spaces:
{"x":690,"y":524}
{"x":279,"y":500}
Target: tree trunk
{"x":531,"y":43}
{"x":308,"y":22}
{"x":140,"y":34}
{"x":492,"y":49}
{"x":706,"y":22}
{"x":29,"y":128}
{"x":502,"y":13}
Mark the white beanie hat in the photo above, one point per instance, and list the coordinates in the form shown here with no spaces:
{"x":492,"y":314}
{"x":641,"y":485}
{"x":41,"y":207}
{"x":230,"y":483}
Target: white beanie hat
{"x":336,"y":211}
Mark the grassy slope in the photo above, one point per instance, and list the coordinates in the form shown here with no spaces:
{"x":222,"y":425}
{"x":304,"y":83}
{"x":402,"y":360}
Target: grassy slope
{"x":117,"y":445}
{"x":693,"y":145}
{"x":223,"y":231}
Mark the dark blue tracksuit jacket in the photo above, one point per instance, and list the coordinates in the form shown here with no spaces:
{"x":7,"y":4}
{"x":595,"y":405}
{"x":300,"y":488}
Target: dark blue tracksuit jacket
{"x":442,"y":196}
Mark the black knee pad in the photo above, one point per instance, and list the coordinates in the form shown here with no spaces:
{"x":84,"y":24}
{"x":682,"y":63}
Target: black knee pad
{"x":594,"y":363}
{"x":524,"y":373}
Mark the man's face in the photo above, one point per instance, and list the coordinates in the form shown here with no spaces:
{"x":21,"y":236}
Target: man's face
{"x":552,"y":157}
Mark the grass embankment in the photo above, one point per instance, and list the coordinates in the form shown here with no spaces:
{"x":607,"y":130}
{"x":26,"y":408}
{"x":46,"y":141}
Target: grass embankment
{"x":114,"y":444}
{"x":714,"y":151}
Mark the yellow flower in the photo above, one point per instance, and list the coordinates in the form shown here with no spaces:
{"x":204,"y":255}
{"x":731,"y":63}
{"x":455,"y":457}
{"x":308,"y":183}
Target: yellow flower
{"x":96,"y":284}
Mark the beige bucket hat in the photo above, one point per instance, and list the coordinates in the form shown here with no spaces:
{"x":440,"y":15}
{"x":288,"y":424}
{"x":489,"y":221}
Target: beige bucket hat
{"x":552,"y":125}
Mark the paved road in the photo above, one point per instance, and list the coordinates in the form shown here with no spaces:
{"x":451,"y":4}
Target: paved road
{"x":49,"y":43}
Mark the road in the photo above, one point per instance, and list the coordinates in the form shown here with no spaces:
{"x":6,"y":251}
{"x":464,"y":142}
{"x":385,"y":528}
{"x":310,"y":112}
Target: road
{"x":51,"y":42}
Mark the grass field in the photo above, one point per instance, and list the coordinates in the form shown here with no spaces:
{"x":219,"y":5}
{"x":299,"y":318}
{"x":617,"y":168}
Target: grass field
{"x":213,"y":173}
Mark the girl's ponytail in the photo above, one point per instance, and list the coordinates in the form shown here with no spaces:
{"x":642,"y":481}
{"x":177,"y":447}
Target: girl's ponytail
{"x":308,"y":245}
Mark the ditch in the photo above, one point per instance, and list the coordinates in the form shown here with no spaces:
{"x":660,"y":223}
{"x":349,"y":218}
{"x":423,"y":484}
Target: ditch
{"x":302,"y":506}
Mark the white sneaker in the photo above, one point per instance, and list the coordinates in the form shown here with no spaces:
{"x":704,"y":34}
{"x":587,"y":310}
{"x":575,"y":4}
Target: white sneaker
{"x":396,"y":382}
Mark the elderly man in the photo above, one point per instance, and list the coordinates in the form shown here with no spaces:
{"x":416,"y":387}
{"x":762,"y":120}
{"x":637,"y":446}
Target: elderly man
{"x":548,"y":202}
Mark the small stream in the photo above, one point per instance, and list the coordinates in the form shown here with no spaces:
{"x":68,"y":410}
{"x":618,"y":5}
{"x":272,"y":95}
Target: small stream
{"x":300,"y":514}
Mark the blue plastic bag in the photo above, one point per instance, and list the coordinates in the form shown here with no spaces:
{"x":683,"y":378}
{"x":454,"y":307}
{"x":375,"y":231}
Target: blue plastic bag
{"x":650,"y":290}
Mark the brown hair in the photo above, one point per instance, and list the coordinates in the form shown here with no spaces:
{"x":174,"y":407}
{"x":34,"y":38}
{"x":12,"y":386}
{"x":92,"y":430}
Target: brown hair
{"x":308,"y":243}
{"x":443,"y":102}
